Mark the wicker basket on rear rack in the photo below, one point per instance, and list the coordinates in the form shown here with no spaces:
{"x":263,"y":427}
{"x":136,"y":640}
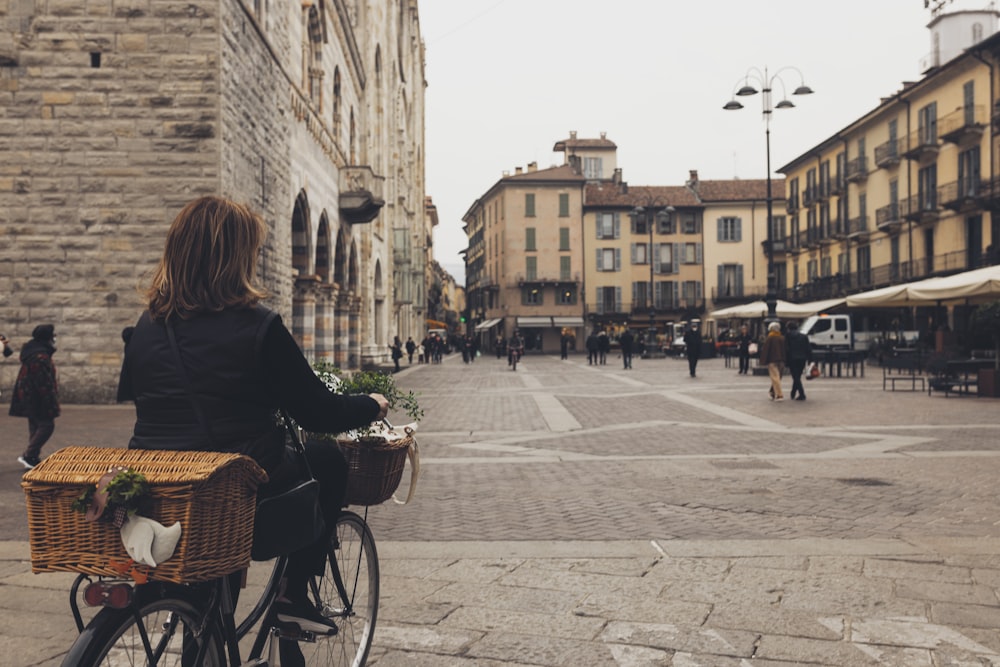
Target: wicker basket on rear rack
{"x":212,"y":494}
{"x":375,"y":468}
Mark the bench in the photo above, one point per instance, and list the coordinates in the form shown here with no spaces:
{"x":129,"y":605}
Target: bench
{"x":905,"y":369}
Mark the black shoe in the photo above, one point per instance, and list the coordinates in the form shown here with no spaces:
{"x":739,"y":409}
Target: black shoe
{"x":28,"y":462}
{"x":303,"y":616}
{"x":801,"y":398}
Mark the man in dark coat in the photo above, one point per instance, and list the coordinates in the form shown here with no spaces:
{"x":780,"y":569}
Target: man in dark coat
{"x":626,"y":340}
{"x":411,"y":347}
{"x":692,"y":347}
{"x":592,"y":346}
{"x":603,"y":346}
{"x":36,"y":392}
{"x":798,"y":352}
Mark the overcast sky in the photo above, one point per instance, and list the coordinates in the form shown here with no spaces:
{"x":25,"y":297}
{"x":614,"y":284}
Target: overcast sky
{"x":509,"y":78}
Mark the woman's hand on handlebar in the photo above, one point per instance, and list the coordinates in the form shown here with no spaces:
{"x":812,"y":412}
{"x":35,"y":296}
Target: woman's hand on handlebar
{"x":383,"y":406}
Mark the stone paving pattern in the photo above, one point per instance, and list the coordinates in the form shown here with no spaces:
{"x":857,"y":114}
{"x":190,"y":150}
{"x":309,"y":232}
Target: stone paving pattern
{"x":576,"y":515}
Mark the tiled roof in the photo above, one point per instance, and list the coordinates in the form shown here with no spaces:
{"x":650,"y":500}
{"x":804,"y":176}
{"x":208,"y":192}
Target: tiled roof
{"x":739,"y":190}
{"x":608,"y":194}
{"x":562,"y":173}
{"x":565,"y":144}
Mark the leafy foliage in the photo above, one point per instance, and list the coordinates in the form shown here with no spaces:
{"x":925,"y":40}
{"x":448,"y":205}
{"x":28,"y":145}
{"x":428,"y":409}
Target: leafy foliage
{"x":128,"y":490}
{"x":369,"y":382}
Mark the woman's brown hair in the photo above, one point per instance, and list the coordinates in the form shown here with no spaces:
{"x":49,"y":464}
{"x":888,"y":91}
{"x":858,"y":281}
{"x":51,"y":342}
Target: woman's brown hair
{"x":210,"y":260}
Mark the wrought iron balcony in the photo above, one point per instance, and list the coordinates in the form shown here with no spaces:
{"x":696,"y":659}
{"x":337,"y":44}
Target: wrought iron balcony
{"x":921,"y":144}
{"x":888,"y":218}
{"x":962,"y":195}
{"x":857,"y":170}
{"x":923,"y":207}
{"x":964,"y":125}
{"x":888,"y":154}
{"x":857,"y":228}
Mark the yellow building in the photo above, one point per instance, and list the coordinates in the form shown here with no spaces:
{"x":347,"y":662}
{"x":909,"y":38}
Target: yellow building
{"x":908,"y":190}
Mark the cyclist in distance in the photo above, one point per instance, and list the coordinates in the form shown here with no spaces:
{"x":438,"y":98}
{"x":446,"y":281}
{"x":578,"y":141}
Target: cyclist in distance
{"x":233,"y":366}
{"x":514,"y":346}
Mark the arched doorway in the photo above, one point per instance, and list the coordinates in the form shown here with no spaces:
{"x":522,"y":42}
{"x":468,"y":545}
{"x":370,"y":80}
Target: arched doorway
{"x":303,"y":278}
{"x":326,"y":296}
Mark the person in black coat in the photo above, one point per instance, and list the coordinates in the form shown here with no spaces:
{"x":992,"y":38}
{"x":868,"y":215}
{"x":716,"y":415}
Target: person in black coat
{"x":626,"y":340}
{"x":592,"y":346}
{"x":692,"y":347}
{"x":745,"y":340}
{"x":798,"y":352}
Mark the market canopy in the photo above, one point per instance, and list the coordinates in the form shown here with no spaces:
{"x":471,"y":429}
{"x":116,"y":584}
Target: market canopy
{"x":979,"y":285}
{"x":786,"y":309}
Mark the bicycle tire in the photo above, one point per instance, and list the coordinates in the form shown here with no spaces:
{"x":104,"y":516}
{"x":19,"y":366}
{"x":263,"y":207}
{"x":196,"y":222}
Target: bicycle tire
{"x":113,"y":637}
{"x":353,"y":554}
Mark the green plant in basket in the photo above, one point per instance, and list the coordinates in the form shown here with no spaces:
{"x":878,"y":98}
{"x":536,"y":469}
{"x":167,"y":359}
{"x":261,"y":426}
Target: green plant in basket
{"x":126,"y":492}
{"x":367,"y":382}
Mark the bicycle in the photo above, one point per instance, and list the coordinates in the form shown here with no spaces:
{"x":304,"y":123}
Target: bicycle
{"x":166,"y":624}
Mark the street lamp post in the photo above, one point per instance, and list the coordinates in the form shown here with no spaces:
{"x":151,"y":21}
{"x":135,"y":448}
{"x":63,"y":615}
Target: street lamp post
{"x":640,"y":213}
{"x":766,"y":83}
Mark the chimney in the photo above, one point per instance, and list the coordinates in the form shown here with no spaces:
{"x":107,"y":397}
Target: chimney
{"x":532,"y":167}
{"x":693,"y":177}
{"x":604,"y":135}
{"x":616,"y":177}
{"x":572,"y":134}
{"x":518,"y":170}
{"x":574,"y":163}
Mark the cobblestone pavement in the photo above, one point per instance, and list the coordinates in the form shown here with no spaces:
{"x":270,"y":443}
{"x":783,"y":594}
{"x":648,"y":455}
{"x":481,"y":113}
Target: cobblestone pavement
{"x":569,"y":514}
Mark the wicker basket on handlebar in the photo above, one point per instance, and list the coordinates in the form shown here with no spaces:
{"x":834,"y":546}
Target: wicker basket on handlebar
{"x":375,"y":468}
{"x":212,"y":494}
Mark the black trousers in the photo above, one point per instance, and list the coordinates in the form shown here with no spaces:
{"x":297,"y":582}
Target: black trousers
{"x":744,"y":362}
{"x":795,"y":367}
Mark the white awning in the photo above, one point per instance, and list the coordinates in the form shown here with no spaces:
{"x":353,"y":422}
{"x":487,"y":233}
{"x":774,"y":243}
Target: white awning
{"x":534,"y":321}
{"x":569,"y":322}
{"x":786,"y":309}
{"x":488,"y":324}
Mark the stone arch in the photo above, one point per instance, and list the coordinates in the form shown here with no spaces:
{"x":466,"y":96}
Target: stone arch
{"x":304,"y":279}
{"x":340,"y":258}
{"x":323,"y":248}
{"x":337,"y":100}
{"x":325,"y":311}
{"x":352,"y":272}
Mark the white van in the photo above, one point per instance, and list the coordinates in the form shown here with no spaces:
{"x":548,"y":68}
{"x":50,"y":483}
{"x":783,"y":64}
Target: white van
{"x":829,"y":332}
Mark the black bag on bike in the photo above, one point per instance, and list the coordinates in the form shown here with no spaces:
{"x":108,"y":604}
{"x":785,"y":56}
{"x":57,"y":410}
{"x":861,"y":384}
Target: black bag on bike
{"x":293,"y":519}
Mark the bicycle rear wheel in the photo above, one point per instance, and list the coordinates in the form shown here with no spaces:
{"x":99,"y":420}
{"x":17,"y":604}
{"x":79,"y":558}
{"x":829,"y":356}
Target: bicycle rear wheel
{"x":352,"y":567}
{"x":163,"y":628}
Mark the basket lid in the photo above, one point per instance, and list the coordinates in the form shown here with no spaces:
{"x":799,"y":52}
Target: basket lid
{"x":84,"y":465}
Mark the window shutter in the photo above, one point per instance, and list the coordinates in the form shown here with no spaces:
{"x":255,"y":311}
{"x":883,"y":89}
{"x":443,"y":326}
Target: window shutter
{"x":720,"y":230}
{"x":600,"y":225}
{"x":600,"y":260}
{"x":697,"y":253}
{"x":617,"y":225}
{"x":676,"y":259}
{"x":618,"y":259}
{"x":618,"y":299}
{"x":631,"y":223}
{"x":720,"y":288}
{"x":677,"y":294}
{"x":633,"y":253}
{"x":655,"y":257}
{"x":658,"y":294}
{"x":739,"y":230}
{"x":697,"y":290}
{"x":739,"y":280}
{"x":635,"y":293}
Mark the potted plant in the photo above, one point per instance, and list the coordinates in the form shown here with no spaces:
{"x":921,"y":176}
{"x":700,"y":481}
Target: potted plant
{"x":986,"y":320}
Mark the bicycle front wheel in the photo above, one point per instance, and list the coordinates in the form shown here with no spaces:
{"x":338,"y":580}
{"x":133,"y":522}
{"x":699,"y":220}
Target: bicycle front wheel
{"x":159,"y":632}
{"x":348,"y":593}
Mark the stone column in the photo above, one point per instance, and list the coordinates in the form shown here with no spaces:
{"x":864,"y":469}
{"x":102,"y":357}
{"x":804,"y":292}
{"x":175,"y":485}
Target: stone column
{"x":304,"y":315}
{"x":326,"y":304}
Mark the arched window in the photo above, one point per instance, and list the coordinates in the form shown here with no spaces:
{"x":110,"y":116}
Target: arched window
{"x":336,"y":103}
{"x":314,"y":72}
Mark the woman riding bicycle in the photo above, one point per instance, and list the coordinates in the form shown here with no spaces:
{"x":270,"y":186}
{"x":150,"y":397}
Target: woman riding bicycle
{"x":239,"y":367}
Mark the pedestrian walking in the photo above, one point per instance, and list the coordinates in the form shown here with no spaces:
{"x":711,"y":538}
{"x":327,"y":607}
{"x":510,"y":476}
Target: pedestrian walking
{"x":745,"y":340}
{"x":564,"y":345}
{"x":592,"y":345}
{"x":603,"y":346}
{"x":411,"y":347}
{"x":397,"y":351}
{"x":692,"y":347}
{"x":798,"y":351}
{"x":626,"y":340}
{"x":36,"y":392}
{"x":772,"y":354}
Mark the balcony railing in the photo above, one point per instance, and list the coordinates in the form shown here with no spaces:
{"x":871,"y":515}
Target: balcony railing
{"x":921,"y":144}
{"x":810,"y":195}
{"x":543,"y":280}
{"x":857,"y":169}
{"x":888,"y":154}
{"x":962,"y":195}
{"x":838,"y":185}
{"x":922,"y":207}
{"x":964,"y":125}
{"x":887,"y":218}
{"x":858,"y":227}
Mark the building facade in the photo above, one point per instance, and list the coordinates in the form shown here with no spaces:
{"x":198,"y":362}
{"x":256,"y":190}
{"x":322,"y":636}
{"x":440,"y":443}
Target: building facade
{"x":910,"y":189}
{"x":113,"y":118}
